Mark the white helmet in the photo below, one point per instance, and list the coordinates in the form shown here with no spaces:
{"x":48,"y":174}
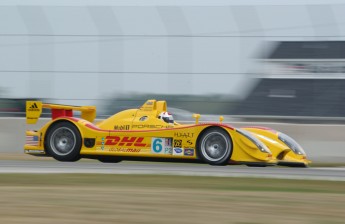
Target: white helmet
{"x":167,"y":117}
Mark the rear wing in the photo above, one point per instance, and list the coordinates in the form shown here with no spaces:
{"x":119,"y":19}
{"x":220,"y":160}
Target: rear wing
{"x":34,"y":110}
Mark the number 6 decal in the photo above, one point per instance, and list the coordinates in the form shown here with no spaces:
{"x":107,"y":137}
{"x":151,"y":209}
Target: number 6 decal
{"x":157,"y":145}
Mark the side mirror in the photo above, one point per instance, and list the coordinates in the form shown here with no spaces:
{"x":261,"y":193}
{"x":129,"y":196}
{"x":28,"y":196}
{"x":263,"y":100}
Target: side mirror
{"x":196,"y":116}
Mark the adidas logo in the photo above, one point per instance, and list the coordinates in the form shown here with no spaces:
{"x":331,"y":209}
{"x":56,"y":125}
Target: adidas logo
{"x":34,"y":107}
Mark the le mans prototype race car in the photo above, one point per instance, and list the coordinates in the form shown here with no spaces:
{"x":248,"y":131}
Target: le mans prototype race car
{"x":151,"y":132}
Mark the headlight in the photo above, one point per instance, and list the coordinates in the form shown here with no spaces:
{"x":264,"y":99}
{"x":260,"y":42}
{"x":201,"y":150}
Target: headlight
{"x":252,"y":138}
{"x":292,"y":144}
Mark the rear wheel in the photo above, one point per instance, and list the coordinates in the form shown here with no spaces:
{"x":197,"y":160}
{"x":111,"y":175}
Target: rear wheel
{"x":63,"y":142}
{"x":215,"y":146}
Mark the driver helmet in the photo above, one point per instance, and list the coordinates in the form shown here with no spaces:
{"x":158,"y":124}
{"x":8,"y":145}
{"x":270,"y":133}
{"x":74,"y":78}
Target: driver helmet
{"x":167,"y":117}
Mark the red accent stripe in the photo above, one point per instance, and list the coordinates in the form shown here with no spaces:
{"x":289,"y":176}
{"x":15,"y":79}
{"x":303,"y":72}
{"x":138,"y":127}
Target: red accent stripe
{"x":57,"y":113}
{"x":71,"y":118}
{"x":69,"y":113}
{"x":93,"y":127}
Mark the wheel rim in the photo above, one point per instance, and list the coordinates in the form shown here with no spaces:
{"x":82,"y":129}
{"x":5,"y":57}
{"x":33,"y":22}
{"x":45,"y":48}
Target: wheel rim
{"x":62,"y":141}
{"x":215,"y":146}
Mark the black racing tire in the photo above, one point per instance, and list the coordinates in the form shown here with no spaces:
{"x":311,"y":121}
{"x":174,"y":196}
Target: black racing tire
{"x":109,"y":159}
{"x":63,"y":142}
{"x":215,"y":146}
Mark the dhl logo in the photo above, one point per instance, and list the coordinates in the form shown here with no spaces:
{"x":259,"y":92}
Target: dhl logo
{"x":124,"y":141}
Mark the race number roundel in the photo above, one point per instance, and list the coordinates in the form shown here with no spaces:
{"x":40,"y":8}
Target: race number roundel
{"x":157,"y":145}
{"x":161,"y":146}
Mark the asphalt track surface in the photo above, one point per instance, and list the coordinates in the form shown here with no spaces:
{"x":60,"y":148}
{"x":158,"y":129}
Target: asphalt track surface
{"x":183,"y":169}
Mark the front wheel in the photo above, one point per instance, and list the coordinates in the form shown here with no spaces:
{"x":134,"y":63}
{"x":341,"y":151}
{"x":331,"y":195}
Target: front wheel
{"x":215,"y":146}
{"x":63,"y":142}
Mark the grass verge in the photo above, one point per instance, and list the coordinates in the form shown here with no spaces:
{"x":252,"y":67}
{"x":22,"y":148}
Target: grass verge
{"x":107,"y":198}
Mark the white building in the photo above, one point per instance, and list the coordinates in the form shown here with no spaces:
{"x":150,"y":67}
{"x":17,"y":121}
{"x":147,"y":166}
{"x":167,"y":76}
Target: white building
{"x":74,"y":49}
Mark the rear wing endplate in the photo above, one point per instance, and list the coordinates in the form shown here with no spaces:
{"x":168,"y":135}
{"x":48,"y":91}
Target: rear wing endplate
{"x":34,"y":111}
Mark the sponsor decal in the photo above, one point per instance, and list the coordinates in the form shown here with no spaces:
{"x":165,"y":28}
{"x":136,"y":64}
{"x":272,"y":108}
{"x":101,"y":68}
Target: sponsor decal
{"x":168,"y":151}
{"x":33,"y":107}
{"x":35,"y":151}
{"x":189,"y":142}
{"x":183,"y":135}
{"x":121,"y":127}
{"x":123,"y":141}
{"x":32,"y":140}
{"x":102,"y":147}
{"x":141,"y":126}
{"x":178,"y":151}
{"x":161,"y":146}
{"x":168,"y":142}
{"x":189,"y":152}
{"x":123,"y":150}
{"x":177,"y":143}
{"x":168,"y":146}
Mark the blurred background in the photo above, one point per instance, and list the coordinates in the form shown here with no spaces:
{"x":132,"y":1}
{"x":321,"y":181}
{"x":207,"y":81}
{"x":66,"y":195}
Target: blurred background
{"x":251,"y":59}
{"x":274,"y":63}
{"x":279,"y":64}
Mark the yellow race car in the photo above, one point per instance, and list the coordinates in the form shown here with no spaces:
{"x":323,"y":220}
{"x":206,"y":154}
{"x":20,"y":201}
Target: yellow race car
{"x":151,"y":132}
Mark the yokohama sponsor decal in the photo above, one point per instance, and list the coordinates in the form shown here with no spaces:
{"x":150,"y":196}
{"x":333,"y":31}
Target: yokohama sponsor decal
{"x":123,"y":150}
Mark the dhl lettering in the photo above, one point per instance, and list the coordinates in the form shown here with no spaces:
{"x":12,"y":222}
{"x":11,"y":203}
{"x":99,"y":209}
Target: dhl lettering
{"x":125,"y":141}
{"x":128,"y":140}
{"x":112,"y":140}
{"x":139,"y":142}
